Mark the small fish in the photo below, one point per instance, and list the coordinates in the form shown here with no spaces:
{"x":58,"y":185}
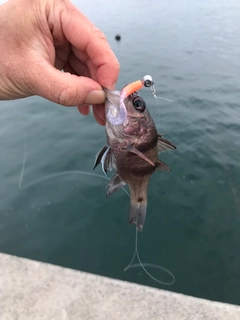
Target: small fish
{"x":132,"y":147}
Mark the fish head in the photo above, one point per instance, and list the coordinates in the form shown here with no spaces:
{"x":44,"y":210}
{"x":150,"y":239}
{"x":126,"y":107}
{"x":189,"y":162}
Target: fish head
{"x":125,"y":115}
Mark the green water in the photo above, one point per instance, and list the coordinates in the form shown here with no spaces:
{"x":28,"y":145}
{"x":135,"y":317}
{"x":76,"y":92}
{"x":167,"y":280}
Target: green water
{"x":192,"y":50}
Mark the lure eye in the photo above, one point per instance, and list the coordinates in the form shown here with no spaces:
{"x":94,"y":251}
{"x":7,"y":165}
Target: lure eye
{"x":139,"y":104}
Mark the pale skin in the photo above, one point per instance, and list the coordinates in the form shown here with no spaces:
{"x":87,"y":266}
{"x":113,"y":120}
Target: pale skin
{"x":38,"y":39}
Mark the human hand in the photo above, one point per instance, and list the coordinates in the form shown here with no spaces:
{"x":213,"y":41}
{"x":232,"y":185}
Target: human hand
{"x":38,"y":39}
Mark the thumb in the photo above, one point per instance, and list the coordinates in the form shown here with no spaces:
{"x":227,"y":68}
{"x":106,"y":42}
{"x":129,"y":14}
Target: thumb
{"x":67,"y":89}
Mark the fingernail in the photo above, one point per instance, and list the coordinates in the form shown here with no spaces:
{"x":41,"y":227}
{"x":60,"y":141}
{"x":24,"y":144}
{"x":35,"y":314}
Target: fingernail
{"x":95,"y":97}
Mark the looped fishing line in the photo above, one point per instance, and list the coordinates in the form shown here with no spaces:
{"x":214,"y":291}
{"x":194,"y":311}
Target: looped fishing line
{"x":150,"y":265}
{"x":80,"y":172}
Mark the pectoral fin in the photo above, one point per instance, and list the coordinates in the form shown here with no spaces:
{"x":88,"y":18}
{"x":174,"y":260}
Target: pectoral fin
{"x":99,"y":156}
{"x":106,"y":157}
{"x":132,"y":149}
{"x":163,"y":144}
{"x":115,"y":184}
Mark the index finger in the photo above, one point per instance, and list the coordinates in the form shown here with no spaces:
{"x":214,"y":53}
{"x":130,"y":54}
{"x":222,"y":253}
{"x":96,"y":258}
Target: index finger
{"x":86,"y":38}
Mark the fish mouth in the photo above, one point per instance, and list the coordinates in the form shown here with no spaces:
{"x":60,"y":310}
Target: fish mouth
{"x":111,"y":94}
{"x":105,"y":89}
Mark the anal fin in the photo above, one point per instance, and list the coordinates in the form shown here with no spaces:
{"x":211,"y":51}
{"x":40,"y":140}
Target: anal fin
{"x":162,"y":166}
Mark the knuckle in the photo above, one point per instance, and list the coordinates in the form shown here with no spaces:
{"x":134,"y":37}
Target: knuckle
{"x":100,"y":34}
{"x":116,"y":66}
{"x":68,"y":96}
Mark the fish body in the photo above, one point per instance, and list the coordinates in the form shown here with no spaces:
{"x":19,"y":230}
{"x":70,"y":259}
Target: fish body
{"x":133,"y":144}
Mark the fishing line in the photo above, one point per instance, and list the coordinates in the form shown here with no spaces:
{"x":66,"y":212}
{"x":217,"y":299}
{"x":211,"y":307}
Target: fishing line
{"x":156,"y":100}
{"x":156,"y":97}
{"x":148,"y":82}
{"x":150,"y":265}
{"x":50,"y":176}
{"x":141,"y":264}
{"x":53,"y":175}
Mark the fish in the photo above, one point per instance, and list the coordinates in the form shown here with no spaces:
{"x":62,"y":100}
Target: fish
{"x":132,"y":148}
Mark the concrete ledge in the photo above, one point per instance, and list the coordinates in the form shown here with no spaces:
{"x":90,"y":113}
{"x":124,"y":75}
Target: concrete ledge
{"x":35,"y":290}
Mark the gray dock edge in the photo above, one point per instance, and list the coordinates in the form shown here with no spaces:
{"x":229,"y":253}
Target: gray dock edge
{"x":35,"y":290}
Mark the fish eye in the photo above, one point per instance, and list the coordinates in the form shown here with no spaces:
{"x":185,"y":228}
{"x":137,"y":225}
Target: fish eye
{"x":139,"y":104}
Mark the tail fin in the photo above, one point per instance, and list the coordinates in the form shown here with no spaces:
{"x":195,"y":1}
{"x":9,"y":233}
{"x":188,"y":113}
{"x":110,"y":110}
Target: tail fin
{"x":137,"y":213}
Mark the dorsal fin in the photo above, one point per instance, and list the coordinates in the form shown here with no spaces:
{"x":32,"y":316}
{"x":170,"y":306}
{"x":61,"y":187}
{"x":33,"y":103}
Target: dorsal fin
{"x":163,"y":144}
